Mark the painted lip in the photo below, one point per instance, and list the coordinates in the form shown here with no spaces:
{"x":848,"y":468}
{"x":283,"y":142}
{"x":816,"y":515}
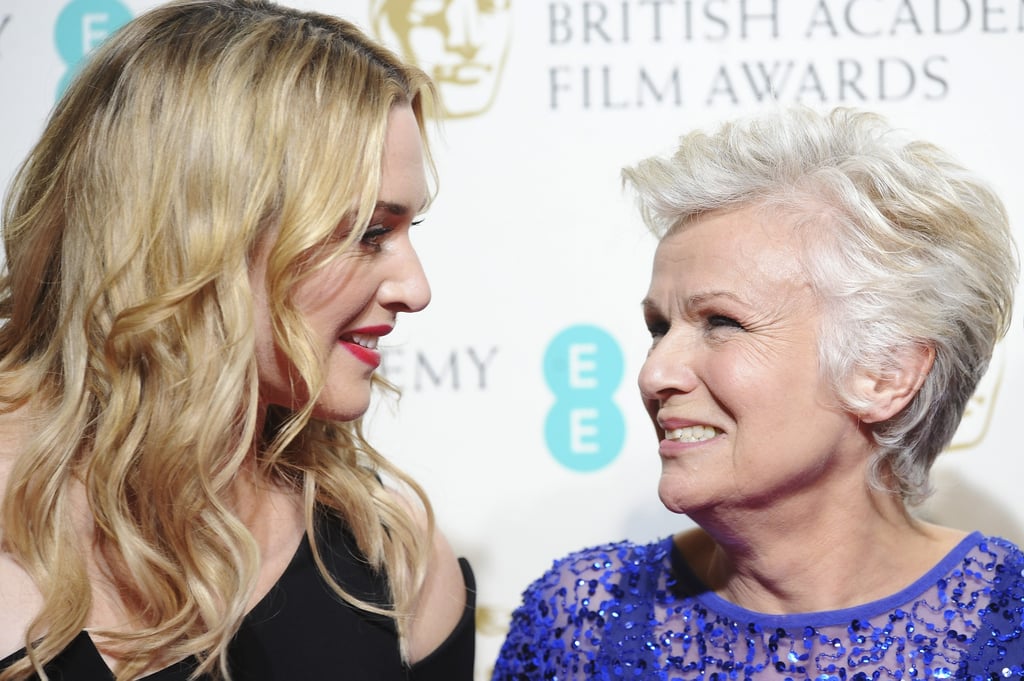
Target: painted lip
{"x":366,"y":355}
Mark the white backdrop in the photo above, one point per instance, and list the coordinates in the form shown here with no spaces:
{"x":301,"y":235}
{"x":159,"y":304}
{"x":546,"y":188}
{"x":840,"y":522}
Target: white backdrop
{"x":531,"y":441}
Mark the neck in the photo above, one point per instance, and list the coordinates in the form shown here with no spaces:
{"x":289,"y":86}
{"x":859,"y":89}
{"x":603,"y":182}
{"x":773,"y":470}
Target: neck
{"x":792,"y":559}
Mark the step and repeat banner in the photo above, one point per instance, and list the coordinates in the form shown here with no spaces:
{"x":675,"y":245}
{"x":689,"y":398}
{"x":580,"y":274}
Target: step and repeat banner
{"x":519,"y":410}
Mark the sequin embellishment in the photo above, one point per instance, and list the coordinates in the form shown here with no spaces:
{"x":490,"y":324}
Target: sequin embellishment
{"x":620,"y":611}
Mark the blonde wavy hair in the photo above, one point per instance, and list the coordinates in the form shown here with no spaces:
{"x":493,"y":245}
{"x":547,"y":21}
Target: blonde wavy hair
{"x":197,"y":129}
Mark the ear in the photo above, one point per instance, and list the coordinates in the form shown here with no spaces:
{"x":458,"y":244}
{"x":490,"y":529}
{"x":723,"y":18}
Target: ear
{"x":887,"y":393}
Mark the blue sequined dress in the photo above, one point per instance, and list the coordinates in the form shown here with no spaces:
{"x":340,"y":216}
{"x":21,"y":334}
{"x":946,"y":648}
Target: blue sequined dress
{"x":627,"y":611}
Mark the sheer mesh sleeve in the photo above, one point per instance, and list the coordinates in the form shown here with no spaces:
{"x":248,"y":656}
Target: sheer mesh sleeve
{"x":997,"y":649}
{"x":623,"y":611}
{"x":575,"y":622}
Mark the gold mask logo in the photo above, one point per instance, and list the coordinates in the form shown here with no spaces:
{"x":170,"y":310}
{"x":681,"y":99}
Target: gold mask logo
{"x":978,"y":415}
{"x":462,"y":44}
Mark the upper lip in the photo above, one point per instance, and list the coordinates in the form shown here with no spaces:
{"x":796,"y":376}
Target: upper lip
{"x":677,"y":423}
{"x":378,"y":330}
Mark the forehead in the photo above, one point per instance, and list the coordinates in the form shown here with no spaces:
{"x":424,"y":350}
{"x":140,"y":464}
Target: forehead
{"x":738,"y":248}
{"x":403,"y":174}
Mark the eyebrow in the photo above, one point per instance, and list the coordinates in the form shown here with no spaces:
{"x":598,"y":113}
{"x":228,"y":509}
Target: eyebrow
{"x":696,"y":300}
{"x":398,"y":208}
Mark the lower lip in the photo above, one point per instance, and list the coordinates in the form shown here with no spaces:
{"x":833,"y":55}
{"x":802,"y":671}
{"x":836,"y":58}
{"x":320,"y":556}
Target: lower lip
{"x":365,"y":355}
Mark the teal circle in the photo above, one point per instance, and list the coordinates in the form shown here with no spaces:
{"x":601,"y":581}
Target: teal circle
{"x":583,"y":367}
{"x":81,"y":26}
{"x":585,"y":437}
{"x":583,"y":359}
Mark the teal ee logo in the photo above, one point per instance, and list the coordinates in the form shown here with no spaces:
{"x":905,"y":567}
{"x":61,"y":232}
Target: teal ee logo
{"x":584,"y":430}
{"x":81,"y":26}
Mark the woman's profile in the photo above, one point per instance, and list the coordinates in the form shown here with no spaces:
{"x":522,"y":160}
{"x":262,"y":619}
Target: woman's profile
{"x":203,"y":252}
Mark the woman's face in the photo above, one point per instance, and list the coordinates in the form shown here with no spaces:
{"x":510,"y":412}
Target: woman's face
{"x":353,"y":301}
{"x":732,"y":381}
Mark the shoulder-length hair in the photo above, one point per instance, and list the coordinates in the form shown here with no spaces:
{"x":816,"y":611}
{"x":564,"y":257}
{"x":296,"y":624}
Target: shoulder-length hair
{"x":193,"y":132}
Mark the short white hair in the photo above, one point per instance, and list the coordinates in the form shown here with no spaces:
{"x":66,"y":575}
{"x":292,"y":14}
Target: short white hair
{"x":903,"y":246}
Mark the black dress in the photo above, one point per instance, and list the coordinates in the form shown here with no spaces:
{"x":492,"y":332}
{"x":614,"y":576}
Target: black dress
{"x":300,"y":630}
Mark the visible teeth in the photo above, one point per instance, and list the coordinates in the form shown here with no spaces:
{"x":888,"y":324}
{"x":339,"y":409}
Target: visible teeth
{"x":369,"y":342}
{"x":692,"y":433}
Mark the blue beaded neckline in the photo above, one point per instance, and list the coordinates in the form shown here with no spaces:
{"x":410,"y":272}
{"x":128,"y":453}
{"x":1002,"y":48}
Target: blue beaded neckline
{"x":824,"y":618}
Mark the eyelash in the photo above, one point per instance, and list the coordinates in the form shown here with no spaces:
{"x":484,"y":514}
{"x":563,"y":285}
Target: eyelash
{"x":371,"y":237}
{"x":374,"y":233}
{"x":718,"y":321}
{"x":657,"y":328}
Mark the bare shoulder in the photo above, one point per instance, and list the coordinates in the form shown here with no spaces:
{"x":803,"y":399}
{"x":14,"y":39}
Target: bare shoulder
{"x":938,"y":542}
{"x":442,"y":600}
{"x":20,"y":600}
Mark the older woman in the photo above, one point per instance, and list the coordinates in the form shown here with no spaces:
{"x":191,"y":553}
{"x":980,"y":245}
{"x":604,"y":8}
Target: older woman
{"x":825,"y":298}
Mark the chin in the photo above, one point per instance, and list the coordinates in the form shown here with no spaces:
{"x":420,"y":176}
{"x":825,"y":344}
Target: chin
{"x":350,"y":410}
{"x":671,"y":497}
{"x":343,"y":400}
{"x":339,"y":415}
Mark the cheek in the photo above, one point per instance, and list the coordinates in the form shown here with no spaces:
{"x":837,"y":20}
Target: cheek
{"x":735,"y":376}
{"x":752,"y":389}
{"x":269,"y":364}
{"x":331,"y":292}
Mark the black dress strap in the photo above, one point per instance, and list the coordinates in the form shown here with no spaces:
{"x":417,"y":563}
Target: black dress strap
{"x":302,"y":630}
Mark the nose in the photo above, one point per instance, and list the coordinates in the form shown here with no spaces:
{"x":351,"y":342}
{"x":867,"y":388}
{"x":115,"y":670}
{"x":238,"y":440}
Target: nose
{"x":668,"y":370}
{"x":406,"y":289}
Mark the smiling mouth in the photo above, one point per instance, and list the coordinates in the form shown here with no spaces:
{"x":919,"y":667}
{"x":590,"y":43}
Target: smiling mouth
{"x":692,"y":434}
{"x":363,"y":347}
{"x":362,"y":340}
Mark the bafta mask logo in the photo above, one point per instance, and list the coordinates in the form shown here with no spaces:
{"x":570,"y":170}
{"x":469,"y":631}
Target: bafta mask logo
{"x":978,"y":415}
{"x":462,"y":44}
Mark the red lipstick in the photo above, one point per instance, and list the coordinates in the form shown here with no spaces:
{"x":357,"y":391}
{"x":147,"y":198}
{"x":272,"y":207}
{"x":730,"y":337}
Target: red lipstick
{"x":369,"y":356}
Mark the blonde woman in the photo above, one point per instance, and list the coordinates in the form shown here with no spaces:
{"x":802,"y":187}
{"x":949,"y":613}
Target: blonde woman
{"x":203,"y":251}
